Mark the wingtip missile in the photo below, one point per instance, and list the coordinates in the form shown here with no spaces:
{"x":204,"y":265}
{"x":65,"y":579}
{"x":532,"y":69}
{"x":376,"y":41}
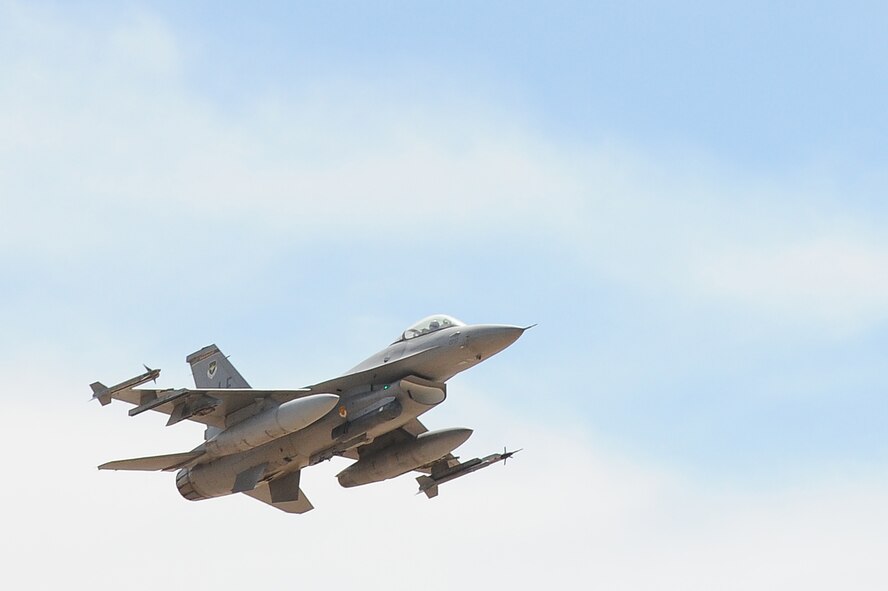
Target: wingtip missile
{"x":507,"y":454}
{"x":103,"y":393}
{"x":152,"y":372}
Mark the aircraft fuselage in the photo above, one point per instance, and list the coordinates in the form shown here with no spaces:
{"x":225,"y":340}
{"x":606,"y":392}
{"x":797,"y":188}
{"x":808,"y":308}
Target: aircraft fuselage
{"x":257,"y":441}
{"x":376,"y":395}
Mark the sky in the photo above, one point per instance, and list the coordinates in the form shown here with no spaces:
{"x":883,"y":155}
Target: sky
{"x":687,"y":197}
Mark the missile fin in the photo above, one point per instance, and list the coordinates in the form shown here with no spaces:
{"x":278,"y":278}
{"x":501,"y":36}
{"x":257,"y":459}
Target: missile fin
{"x":428,"y":486}
{"x":101,"y":392}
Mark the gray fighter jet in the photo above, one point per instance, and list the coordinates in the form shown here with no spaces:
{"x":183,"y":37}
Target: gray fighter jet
{"x":257,"y":441}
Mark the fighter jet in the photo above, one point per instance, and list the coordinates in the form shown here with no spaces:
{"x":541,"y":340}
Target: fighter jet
{"x":257,"y":441}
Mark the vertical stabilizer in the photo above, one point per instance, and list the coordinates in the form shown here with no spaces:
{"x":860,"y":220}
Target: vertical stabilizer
{"x":211,"y":369}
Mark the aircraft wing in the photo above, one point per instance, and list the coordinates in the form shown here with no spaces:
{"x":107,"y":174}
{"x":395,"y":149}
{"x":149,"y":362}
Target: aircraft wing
{"x":209,"y":406}
{"x":167,"y":463}
{"x":377,"y":375}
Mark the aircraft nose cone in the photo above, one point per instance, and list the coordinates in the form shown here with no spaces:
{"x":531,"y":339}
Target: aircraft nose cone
{"x":489,"y":339}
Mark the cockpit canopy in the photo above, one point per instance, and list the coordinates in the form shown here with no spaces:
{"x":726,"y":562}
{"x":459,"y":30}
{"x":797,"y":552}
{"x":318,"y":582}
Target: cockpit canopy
{"x":430,"y":324}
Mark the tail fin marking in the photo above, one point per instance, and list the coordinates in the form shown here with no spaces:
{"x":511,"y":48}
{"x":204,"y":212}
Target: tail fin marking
{"x":212,"y":369}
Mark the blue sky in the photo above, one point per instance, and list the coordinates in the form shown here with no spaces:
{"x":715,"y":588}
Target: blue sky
{"x":751,"y":83}
{"x":689,"y":200}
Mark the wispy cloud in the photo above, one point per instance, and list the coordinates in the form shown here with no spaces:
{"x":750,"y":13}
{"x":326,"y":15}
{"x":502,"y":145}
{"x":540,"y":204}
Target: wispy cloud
{"x":562,"y":511}
{"x":838,"y":281}
{"x":109,"y":136}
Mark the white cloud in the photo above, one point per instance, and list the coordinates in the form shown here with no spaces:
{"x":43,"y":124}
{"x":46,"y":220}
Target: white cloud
{"x":561,"y":513}
{"x":840,"y":280}
{"x":144,"y":45}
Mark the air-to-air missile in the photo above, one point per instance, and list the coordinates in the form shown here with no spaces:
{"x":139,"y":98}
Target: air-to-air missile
{"x":429,"y":484}
{"x":103,"y":393}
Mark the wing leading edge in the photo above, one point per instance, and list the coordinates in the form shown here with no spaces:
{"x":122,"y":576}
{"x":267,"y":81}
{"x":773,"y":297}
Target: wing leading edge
{"x":166,"y":463}
{"x":220,"y":391}
{"x":209,"y":406}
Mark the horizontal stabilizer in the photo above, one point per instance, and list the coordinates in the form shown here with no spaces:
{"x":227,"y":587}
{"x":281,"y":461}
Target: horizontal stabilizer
{"x":153,"y":463}
{"x":263,"y":493}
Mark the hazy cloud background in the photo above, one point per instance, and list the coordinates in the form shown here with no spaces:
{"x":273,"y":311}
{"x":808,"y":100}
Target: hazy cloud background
{"x":689,"y":200}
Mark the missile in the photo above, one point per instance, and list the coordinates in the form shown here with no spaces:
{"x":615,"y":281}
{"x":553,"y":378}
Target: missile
{"x":268,"y":425}
{"x":429,"y":484}
{"x":103,"y":394}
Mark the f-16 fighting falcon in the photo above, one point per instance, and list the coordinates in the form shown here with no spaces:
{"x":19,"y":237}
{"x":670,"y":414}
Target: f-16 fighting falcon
{"x":257,"y":441}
